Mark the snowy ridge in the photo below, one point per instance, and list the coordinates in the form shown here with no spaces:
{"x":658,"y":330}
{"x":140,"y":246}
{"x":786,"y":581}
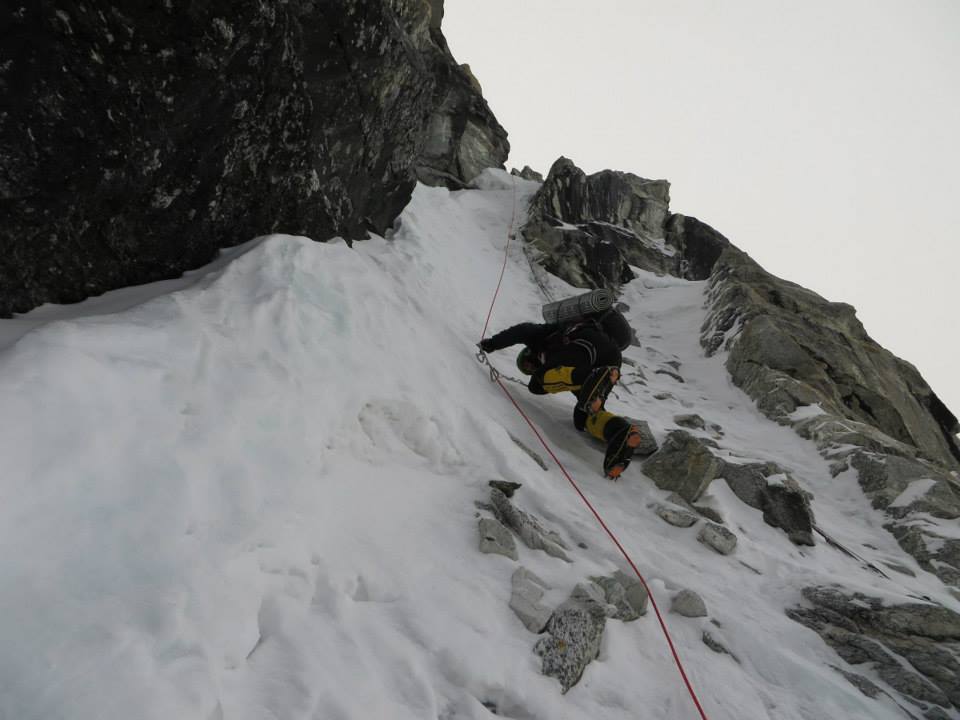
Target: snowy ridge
{"x":255,"y":497}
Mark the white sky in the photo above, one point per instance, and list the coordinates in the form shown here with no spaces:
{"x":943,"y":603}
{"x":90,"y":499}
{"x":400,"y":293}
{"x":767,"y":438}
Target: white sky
{"x":823,"y":138}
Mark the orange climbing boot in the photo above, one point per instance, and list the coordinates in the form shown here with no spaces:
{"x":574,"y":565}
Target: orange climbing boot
{"x":620,"y":450}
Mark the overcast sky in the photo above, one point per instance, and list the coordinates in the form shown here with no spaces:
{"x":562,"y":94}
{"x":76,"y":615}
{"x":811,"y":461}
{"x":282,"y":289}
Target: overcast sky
{"x":823,"y":138}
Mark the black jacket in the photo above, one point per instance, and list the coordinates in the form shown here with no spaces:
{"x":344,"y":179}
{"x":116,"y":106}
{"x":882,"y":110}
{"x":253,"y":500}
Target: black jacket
{"x":550,"y":343}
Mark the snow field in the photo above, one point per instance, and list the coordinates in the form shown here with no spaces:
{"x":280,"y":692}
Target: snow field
{"x":254,"y":496}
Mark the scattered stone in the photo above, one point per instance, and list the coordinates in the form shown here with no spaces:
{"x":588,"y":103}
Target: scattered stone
{"x":669,"y":373}
{"x":711,"y":642}
{"x":664,"y":396}
{"x":505,"y":486}
{"x":683,"y":464}
{"x":527,"y":527}
{"x":625,"y":594}
{"x":573,"y":638}
{"x":675,"y":364}
{"x":689,"y":604}
{"x":582,"y":545}
{"x":675,"y":516}
{"x":690,"y":420}
{"x":495,"y":538}
{"x":717,"y":537}
{"x":526,"y":591}
{"x":533,"y":455}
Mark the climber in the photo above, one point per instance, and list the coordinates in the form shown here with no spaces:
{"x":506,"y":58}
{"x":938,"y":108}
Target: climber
{"x":584,"y":358}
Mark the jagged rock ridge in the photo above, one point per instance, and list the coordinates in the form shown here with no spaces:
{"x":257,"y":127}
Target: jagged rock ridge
{"x":136,"y":141}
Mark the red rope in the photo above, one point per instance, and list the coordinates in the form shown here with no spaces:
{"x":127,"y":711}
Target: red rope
{"x":496,"y":376}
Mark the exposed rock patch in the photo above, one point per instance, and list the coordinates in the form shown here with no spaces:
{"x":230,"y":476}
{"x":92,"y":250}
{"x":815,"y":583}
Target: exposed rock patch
{"x":914,"y":648}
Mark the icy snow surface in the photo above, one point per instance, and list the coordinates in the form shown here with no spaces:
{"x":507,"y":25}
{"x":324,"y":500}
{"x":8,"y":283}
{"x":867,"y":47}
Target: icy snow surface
{"x":252,"y":495}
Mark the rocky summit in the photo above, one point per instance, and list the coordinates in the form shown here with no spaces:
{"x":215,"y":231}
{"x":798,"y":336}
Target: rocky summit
{"x":137,"y":140}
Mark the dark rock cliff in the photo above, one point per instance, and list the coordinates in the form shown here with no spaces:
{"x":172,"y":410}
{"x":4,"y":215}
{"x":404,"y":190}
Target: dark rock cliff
{"x":137,"y":140}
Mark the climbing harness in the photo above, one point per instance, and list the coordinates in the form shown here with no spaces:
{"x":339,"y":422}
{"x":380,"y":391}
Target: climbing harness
{"x":497,"y":377}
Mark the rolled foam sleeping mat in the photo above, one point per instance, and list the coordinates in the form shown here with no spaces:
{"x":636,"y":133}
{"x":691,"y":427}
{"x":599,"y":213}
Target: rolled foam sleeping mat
{"x":569,"y":309}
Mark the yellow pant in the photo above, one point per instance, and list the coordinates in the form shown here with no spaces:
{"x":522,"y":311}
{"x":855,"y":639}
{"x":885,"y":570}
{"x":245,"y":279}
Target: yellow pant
{"x":598,"y":422}
{"x":560,"y":379}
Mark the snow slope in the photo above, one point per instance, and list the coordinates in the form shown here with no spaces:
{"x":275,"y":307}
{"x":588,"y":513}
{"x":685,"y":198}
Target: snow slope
{"x":253,"y":495}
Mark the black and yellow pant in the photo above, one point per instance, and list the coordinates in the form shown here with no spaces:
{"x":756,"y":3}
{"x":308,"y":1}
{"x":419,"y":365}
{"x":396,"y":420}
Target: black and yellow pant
{"x":601,"y":425}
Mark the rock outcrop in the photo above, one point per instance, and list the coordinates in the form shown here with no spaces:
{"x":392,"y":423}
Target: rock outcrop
{"x":136,"y":141}
{"x":914,"y":648}
{"x":809,"y":364}
{"x":588,"y":229}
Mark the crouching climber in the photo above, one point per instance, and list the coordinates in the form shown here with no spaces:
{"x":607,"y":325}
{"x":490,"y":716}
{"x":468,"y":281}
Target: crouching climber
{"x":584,"y":358}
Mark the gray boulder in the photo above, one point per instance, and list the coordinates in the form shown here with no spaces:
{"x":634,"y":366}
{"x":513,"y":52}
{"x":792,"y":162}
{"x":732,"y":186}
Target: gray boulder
{"x":526,"y":592}
{"x":683,"y":464}
{"x":530,"y":530}
{"x":573,"y":637}
{"x":689,"y":604}
{"x":718,"y":538}
{"x":784,"y":504}
{"x":495,"y":538}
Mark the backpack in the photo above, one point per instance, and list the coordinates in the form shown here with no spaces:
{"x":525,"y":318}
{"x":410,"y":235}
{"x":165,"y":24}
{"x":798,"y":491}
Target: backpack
{"x":591,"y":309}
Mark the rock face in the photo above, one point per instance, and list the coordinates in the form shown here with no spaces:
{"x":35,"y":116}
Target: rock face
{"x":790,"y":347}
{"x":914,"y":648}
{"x":809,"y":363}
{"x":137,"y":141}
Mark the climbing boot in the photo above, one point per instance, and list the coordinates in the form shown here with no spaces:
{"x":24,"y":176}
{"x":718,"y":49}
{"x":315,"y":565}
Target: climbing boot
{"x":620,"y":450}
{"x":595,"y":389}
